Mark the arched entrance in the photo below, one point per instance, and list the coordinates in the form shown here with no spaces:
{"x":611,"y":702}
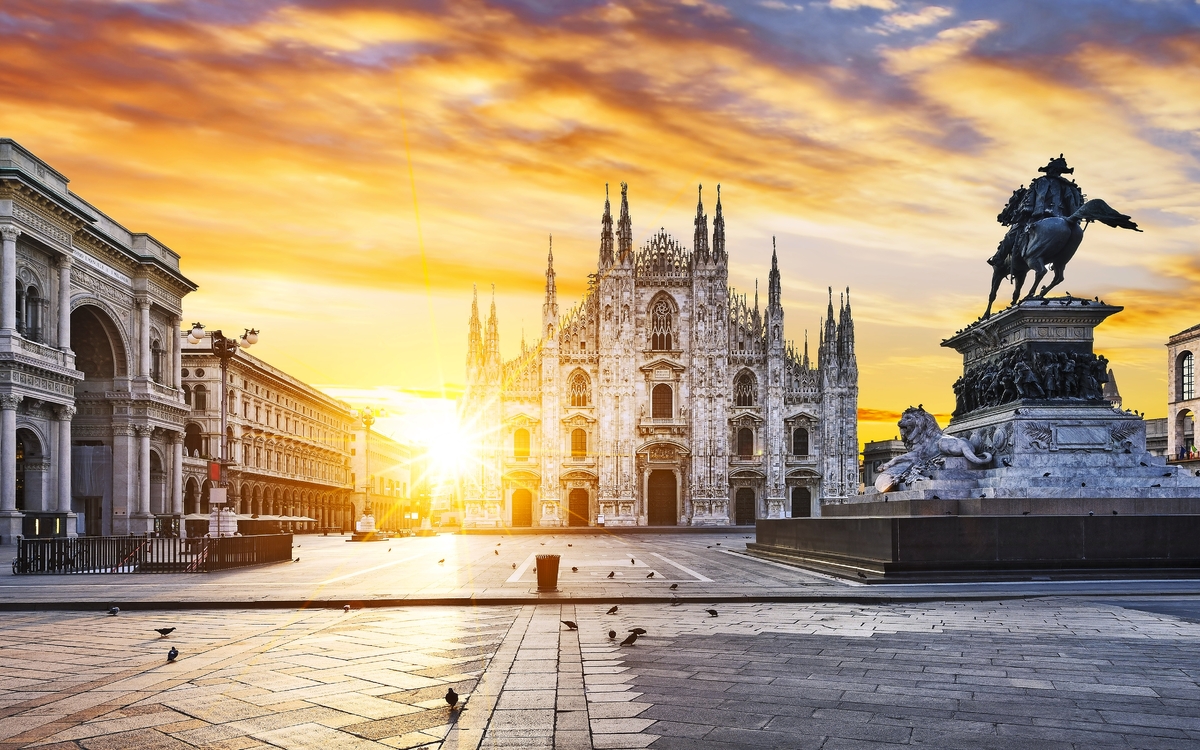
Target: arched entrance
{"x":31,"y":466}
{"x":743,"y":507}
{"x":1185,"y":434}
{"x":662,"y":507}
{"x":522,"y":508}
{"x":801,"y":502}
{"x":577,"y":508}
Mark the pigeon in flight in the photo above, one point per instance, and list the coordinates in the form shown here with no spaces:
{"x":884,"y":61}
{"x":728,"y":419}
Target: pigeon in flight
{"x":571,"y":624}
{"x":711,"y":612}
{"x":612,"y":611}
{"x":630,"y":640}
{"x":638,"y":631}
{"x":114,"y":610}
{"x":172,"y":654}
{"x":674,"y":586}
{"x":650,"y":574}
{"x":163,"y":632}
{"x":611,"y":574}
{"x":451,"y":697}
{"x":574,"y":569}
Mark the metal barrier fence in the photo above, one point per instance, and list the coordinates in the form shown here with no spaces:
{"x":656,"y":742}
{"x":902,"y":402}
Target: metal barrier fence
{"x":143,"y":554}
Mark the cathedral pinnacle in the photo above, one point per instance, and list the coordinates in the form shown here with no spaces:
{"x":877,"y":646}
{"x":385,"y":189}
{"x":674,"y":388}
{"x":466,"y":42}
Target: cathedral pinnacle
{"x":474,"y":332}
{"x":550,"y":306}
{"x":625,"y":229}
{"x":606,"y":233}
{"x":774,"y":287}
{"x":700,"y":240}
{"x":718,"y":242}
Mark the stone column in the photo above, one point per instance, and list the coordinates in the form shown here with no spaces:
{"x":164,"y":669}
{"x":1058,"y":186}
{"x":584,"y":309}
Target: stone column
{"x":176,"y":353}
{"x":143,"y":491}
{"x":64,"y":414}
{"x":176,"y":441}
{"x":64,"y":302}
{"x":143,"y":307}
{"x":8,"y":280}
{"x":10,"y":517}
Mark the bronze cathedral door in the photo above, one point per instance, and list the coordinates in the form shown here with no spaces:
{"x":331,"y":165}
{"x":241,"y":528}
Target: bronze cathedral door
{"x":662,"y":508}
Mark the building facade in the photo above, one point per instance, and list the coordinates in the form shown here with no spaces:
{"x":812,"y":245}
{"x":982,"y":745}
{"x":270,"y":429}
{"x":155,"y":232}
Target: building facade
{"x":91,"y":412}
{"x":289,"y":445}
{"x":663,"y":397}
{"x":381,"y":472}
{"x":1182,"y":397}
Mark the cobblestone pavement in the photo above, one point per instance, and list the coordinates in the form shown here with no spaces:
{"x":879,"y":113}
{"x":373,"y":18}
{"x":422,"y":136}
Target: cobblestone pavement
{"x":1042,"y":673}
{"x":497,"y":568}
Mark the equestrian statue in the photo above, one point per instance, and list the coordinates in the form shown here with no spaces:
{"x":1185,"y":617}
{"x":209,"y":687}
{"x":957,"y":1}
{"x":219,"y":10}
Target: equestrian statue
{"x":1044,"y":230}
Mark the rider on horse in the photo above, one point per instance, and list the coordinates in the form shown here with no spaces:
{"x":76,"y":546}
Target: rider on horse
{"x":1051,"y":195}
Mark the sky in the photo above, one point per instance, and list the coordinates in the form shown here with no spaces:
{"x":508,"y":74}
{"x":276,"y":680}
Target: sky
{"x":340,"y":174}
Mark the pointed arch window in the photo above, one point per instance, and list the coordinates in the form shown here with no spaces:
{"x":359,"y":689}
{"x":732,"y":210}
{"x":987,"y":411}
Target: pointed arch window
{"x":661,"y":326}
{"x":744,"y":390}
{"x":579,"y":389}
{"x":578,"y":443}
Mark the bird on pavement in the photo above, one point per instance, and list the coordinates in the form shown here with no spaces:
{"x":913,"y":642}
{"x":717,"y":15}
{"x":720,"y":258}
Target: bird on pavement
{"x":543,"y":544}
{"x":1143,"y":463}
{"x":1091,"y":512}
{"x":514,"y":566}
{"x":630,"y":640}
{"x":571,"y":624}
{"x":496,"y":552}
{"x":574,"y":569}
{"x":163,"y":632}
{"x":612,"y":611}
{"x":612,"y":634}
{"x":711,"y":612}
{"x":441,"y":561}
{"x":611,"y":573}
{"x":570,"y":545}
{"x":718,"y":544}
{"x":1114,"y":513}
{"x":389,"y":549}
{"x":708,"y":547}
{"x":1025,"y":513}
{"x":675,"y":603}
{"x":172,"y":654}
{"x":296,"y":560}
{"x":632,"y":561}
{"x":345,"y":607}
{"x":674,"y":586}
{"x":638,"y":631}
{"x":114,"y":610}
{"x":862,"y":574}
{"x":497,"y":544}
{"x":1046,"y":474}
{"x":650,"y":574}
{"x":451,"y":697}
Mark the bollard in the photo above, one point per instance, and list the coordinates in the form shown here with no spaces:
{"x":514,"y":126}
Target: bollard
{"x":547,"y":572}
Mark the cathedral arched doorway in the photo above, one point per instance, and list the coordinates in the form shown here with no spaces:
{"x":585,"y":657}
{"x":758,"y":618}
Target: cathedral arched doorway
{"x":662,"y":502}
{"x":577,"y":508}
{"x":743,"y":507}
{"x":522,"y":508}
{"x":801,"y":502}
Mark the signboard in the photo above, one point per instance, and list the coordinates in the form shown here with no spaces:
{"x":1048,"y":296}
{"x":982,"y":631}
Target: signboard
{"x":216,"y":495}
{"x":214,"y":471}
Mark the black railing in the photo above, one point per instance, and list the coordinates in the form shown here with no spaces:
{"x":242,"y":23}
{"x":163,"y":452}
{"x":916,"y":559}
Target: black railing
{"x":144,"y":554}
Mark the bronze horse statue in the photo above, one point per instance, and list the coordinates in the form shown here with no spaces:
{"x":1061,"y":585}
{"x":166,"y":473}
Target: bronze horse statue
{"x":1052,"y":242}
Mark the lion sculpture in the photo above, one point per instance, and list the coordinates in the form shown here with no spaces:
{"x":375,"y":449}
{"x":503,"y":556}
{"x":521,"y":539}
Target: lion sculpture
{"x":927,"y":446}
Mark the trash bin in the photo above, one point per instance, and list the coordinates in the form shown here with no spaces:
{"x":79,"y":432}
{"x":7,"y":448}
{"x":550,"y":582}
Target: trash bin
{"x":547,"y":572}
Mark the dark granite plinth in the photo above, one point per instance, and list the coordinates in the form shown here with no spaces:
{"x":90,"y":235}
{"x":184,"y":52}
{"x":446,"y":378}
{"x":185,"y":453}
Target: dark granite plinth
{"x":954,"y":548}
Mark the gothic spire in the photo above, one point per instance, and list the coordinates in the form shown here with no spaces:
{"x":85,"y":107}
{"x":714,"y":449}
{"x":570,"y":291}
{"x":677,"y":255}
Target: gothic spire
{"x":492,"y":351}
{"x":774,"y":291}
{"x":805,"y":348}
{"x":718,"y":242}
{"x":550,"y":306}
{"x":846,"y":330}
{"x":625,"y":228}
{"x":700,"y":240}
{"x":606,"y":233}
{"x":474,"y":334}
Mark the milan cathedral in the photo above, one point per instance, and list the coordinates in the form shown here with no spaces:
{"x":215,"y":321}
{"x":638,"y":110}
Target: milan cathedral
{"x":662,"y":398}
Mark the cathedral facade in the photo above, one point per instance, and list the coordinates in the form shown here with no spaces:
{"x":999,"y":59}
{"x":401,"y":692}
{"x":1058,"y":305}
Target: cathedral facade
{"x":662,"y":398}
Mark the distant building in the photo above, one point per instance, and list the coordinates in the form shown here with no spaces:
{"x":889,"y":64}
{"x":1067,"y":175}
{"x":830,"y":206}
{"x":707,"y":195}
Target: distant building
{"x":382,"y":467}
{"x":1112,"y":394}
{"x":1156,"y":436}
{"x":289,"y":444}
{"x":1182,"y":400}
{"x":876,"y":453}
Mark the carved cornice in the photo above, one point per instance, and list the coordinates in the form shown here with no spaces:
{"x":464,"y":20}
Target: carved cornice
{"x":27,"y":195}
{"x":10,"y":401}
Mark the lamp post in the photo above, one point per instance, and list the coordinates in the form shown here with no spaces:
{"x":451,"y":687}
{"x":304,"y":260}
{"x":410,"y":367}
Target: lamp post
{"x":225,"y":348}
{"x":368,"y":419}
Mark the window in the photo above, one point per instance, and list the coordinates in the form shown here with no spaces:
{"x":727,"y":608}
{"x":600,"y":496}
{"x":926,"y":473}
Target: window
{"x":199,"y":398}
{"x":187,"y":395}
{"x":30,"y":306}
{"x":156,"y":361}
{"x":660,"y":326}
{"x":583,"y":346}
{"x":745,"y":443}
{"x":799,"y":442}
{"x":578,"y":443}
{"x":580,"y":389}
{"x":744,"y":390}
{"x":1187,"y":376}
{"x":521,"y":443}
{"x":662,"y":404}
{"x":232,"y":404}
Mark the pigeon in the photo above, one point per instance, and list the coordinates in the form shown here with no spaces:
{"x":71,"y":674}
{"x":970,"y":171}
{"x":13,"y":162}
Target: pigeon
{"x":674,"y":586}
{"x":862,"y":574}
{"x":451,"y":697}
{"x":708,"y":547}
{"x":163,"y":632}
{"x":441,"y":561}
{"x":497,"y":544}
{"x":543,"y":544}
{"x":172,"y":654}
{"x":1025,"y":513}
{"x":611,"y":574}
{"x":570,"y":545}
{"x":1167,"y":474}
{"x":1006,"y":462}
{"x":1143,"y":463}
{"x":345,"y":607}
{"x":612,"y":611}
{"x":296,"y":560}
{"x":950,"y":512}
{"x":638,"y":631}
{"x":1114,"y":513}
{"x":571,"y":624}
{"x":612,"y":634}
{"x":1091,"y":513}
{"x":1156,"y":485}
{"x":718,"y":544}
{"x":630,"y":640}
{"x":1046,"y":474}
{"x":1083,"y":484}
{"x":389,"y":549}
{"x":711,"y":612}
{"x":650,"y":574}
{"x":632,"y":561}
{"x":574,"y":569}
{"x":114,"y":610}
{"x":514,"y":566}
{"x":496,"y":552}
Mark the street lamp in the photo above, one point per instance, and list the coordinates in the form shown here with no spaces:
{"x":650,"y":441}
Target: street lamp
{"x":225,"y":348}
{"x":368,"y":419}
